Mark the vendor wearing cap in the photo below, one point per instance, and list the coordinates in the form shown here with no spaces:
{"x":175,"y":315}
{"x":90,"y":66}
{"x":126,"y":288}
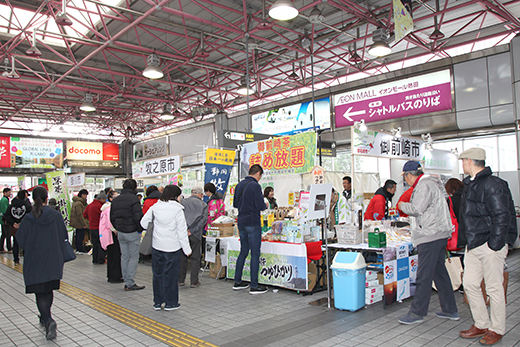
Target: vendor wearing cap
{"x":378,"y":207}
{"x":430,"y":228}
{"x":489,"y":219}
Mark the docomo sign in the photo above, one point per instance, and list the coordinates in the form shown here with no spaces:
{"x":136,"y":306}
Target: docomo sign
{"x":79,"y":150}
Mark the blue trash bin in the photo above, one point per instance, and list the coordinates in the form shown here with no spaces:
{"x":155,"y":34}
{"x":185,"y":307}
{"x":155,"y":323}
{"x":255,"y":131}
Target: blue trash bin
{"x":348,"y":274}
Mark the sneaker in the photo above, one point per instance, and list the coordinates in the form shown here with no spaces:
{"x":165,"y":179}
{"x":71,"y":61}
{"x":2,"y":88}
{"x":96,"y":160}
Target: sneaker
{"x":239,"y":286}
{"x":157,"y":307}
{"x":451,"y":316}
{"x":195,"y":285}
{"x":134,"y":287}
{"x":411,"y":318}
{"x":50,"y":330}
{"x":171,"y":308}
{"x":258,"y":290}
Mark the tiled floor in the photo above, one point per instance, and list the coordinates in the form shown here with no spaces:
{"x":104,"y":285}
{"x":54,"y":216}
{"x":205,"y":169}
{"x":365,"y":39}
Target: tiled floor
{"x":216,"y":314}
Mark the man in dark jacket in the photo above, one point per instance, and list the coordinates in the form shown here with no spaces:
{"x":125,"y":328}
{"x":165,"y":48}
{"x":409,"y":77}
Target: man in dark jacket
{"x":6,"y":236}
{"x":79,"y":203}
{"x":92,"y":213}
{"x":125,"y":216}
{"x":19,"y":208}
{"x":378,"y":207}
{"x":196,"y":213}
{"x":250,"y":202}
{"x":490,"y":226}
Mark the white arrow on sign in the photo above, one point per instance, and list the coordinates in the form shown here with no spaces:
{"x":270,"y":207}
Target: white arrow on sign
{"x":349,"y":114}
{"x":227,"y":135}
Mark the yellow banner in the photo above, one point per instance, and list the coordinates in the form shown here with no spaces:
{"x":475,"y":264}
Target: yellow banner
{"x":220,"y":156}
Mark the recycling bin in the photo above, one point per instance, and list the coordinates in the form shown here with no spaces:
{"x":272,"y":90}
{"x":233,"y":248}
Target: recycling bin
{"x":348,"y":275}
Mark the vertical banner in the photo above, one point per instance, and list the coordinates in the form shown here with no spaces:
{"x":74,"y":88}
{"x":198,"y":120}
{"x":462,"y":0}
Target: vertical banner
{"x":5,"y":156}
{"x":21,"y":182}
{"x":57,"y":183}
{"x":403,"y":22}
{"x":219,"y":163}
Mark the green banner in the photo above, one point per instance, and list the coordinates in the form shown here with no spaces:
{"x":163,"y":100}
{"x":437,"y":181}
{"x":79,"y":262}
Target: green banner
{"x":57,"y":183}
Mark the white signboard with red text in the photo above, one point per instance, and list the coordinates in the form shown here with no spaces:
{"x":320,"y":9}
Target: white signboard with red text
{"x":412,"y":96}
{"x":97,"y":151}
{"x":385,"y":145}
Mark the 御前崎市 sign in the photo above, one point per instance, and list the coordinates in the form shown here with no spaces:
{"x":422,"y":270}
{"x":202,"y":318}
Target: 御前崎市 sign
{"x":384,"y":145}
{"x":412,"y":96}
{"x":282,"y":155}
{"x":156,"y":167}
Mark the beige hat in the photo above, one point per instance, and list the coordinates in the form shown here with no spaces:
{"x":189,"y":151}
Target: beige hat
{"x":473,"y":153}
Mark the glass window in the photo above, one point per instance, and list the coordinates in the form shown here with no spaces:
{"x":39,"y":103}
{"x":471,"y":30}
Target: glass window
{"x":489,"y":144}
{"x":507,"y":156}
{"x":342,"y":162}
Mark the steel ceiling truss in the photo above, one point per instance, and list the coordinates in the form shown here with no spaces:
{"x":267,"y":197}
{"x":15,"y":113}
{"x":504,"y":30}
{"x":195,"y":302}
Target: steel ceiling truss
{"x":106,"y":57}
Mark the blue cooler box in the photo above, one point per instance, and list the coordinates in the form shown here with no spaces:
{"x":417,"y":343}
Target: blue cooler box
{"x":348,"y":274}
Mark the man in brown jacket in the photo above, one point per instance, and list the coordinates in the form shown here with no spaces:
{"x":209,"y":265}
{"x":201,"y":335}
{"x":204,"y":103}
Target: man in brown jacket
{"x":79,"y":203}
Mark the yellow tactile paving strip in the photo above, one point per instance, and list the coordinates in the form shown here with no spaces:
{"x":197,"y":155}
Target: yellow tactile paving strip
{"x":147,"y":326}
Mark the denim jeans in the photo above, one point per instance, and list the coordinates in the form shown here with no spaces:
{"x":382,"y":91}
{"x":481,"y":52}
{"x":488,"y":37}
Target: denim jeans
{"x":250,"y":240}
{"x":129,"y":243}
{"x":165,"y":268}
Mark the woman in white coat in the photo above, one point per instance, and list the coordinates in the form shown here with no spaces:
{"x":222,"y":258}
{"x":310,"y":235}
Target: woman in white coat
{"x":170,"y":234}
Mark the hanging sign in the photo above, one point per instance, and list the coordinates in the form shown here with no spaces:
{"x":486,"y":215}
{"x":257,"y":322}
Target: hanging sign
{"x":57,"y":184}
{"x":150,"y":149}
{"x":230,"y":139}
{"x":318,"y":175}
{"x":218,"y":165}
{"x":293,"y":119}
{"x":96,"y":151}
{"x":403,"y":22}
{"x":282,"y":155}
{"x":439,"y":160}
{"x":76,"y":180}
{"x":384,"y":145}
{"x":412,"y":96}
{"x":156,"y":167}
{"x":21,"y":182}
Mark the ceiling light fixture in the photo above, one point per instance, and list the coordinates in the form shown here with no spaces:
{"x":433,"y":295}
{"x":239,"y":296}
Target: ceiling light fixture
{"x":396,"y":132}
{"x":283,"y":10}
{"x":33,"y":51}
{"x":361,"y":126}
{"x":87,"y":105}
{"x":62,"y":19}
{"x":436,"y":34}
{"x":354,"y":56}
{"x":167,"y":113}
{"x":244,"y":89}
{"x":152,"y":70}
{"x":6,"y":67}
{"x":427,"y":138}
{"x":315,"y":17}
{"x":264,"y":24}
{"x":202,"y":53}
{"x":13,"y":74}
{"x":380,"y":46}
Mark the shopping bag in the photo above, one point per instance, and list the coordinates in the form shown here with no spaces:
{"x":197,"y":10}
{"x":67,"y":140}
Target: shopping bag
{"x":67,"y":251}
{"x":146,"y":244}
{"x":454,"y":268}
{"x":452,"y":241}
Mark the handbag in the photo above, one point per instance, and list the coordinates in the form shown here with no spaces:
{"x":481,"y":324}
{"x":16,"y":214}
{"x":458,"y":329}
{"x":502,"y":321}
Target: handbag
{"x":454,"y":268}
{"x":146,"y":244}
{"x":67,"y":251}
{"x":452,"y":241}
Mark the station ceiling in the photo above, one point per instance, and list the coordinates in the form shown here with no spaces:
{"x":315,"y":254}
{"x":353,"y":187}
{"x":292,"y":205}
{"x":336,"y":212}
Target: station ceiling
{"x":201,"y":45}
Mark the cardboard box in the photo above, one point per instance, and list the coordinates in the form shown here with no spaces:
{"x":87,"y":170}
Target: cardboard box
{"x":312,"y":274}
{"x":372,"y":283}
{"x":226,"y":229}
{"x":372,"y":301}
{"x":371,"y":275}
{"x":215,"y":267}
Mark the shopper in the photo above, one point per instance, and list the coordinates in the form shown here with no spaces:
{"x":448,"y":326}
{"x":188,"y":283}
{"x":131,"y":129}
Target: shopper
{"x":20,"y":206}
{"x":53,"y":204}
{"x":431,"y":228}
{"x":249,"y":201}
{"x":269,"y":199}
{"x":489,"y":220}
{"x":347,"y":187}
{"x":125,"y":216}
{"x":196,"y":213}
{"x":405,"y":197}
{"x":6,"y":230}
{"x":79,"y":203}
{"x":40,"y":234}
{"x":92,"y":213}
{"x":378,"y":207}
{"x":152,"y":196}
{"x":216,"y":206}
{"x":109,"y":241}
{"x":170,"y":234}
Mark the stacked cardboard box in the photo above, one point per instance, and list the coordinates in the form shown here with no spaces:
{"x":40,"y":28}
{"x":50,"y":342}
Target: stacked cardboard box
{"x":373,"y":289}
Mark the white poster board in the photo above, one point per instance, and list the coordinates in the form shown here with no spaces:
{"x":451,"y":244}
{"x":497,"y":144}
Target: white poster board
{"x":319,"y":203}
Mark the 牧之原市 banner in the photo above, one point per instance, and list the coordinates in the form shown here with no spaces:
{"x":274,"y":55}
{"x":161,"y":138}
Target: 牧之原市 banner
{"x":281,"y":155}
{"x":412,"y":96}
{"x":218,"y":164}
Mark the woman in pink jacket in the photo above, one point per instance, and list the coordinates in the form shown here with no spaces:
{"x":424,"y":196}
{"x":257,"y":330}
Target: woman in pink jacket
{"x":216,"y":206}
